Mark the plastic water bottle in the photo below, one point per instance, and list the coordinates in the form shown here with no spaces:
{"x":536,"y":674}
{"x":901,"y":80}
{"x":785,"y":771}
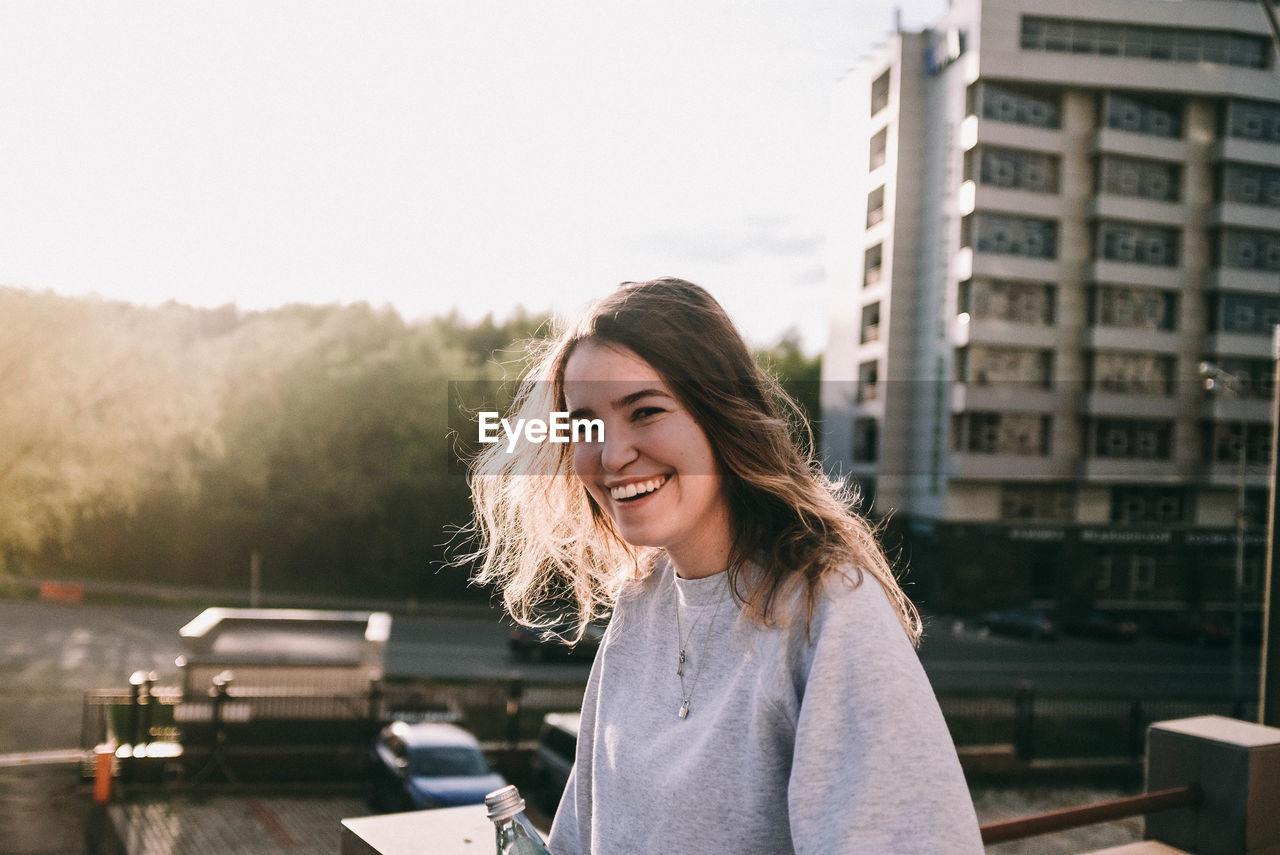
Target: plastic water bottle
{"x":516,"y":834}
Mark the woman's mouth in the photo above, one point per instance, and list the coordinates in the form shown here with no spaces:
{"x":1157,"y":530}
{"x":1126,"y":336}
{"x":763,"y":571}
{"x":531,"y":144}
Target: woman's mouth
{"x":638,"y":489}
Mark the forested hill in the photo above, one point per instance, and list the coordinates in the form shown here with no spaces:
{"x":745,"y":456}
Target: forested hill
{"x":168,"y":444}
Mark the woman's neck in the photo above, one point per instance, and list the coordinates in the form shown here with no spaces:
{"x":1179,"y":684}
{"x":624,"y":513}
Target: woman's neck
{"x":705,"y":557}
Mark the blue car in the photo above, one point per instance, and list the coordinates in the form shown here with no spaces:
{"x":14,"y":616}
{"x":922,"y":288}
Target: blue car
{"x":427,"y":765}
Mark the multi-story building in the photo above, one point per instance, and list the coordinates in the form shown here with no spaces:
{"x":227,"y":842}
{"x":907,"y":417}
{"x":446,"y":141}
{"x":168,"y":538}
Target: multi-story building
{"x":1057,"y":212}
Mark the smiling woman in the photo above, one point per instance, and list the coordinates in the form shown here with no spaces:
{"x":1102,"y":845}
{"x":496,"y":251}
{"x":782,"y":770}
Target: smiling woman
{"x":756,"y":690}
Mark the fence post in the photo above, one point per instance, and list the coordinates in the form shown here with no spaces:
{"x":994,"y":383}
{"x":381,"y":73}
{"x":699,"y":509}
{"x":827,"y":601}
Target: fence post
{"x":103,"y":758}
{"x":149,"y":703}
{"x":1024,"y":718}
{"x":375,"y":706}
{"x":515,"y":692}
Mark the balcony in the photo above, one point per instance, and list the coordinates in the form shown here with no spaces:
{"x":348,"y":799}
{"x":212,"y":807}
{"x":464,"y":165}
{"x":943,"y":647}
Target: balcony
{"x":1130,"y":405}
{"x":1004,"y":397}
{"x":1130,"y":470}
{"x":975,"y":130}
{"x":1112,"y":141}
{"x":982,"y":330}
{"x":1143,"y":210}
{"x":1228,"y":408}
{"x":1248,"y":281}
{"x":1245,"y":151}
{"x":970,"y":263}
{"x":973,"y":196}
{"x":1125,"y":273}
{"x":1245,"y":216}
{"x":1129,"y":338}
{"x":1237,"y":344}
{"x":1009,"y":467}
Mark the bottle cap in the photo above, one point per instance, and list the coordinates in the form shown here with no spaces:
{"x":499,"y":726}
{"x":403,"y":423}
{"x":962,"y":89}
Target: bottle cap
{"x":504,"y":803}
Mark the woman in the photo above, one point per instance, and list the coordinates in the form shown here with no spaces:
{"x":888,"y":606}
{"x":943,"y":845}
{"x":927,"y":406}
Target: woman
{"x":757,"y":689}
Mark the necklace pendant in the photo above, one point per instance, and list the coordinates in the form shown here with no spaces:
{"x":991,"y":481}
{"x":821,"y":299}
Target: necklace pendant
{"x":680,"y":667}
{"x":684,"y":709}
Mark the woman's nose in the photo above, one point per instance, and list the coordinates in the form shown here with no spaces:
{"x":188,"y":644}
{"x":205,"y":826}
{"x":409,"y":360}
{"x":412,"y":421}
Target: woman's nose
{"x":618,"y":449}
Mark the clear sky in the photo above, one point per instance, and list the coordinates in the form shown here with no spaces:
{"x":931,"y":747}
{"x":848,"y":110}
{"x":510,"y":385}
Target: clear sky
{"x":471,"y":153}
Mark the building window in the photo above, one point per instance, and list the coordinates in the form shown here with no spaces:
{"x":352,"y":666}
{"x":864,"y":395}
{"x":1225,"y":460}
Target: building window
{"x":1133,"y":308}
{"x":1136,"y":244}
{"x":1250,"y":250}
{"x":987,"y":365}
{"x":875,"y":206}
{"x":1102,"y":585}
{"x":1150,"y":505}
{"x":869,"y":381}
{"x":1023,"y":236}
{"x":1131,"y":373}
{"x":1143,"y":179}
{"x":880,"y":93}
{"x":1253,"y":120}
{"x":870,"y":327}
{"x":1246,"y":184}
{"x":1155,"y":117}
{"x":1009,"y":300}
{"x":1019,"y":106}
{"x":879,"y":148}
{"x":1142,"y":572}
{"x":1139,"y":41}
{"x":1256,"y":376}
{"x":1018,"y":170}
{"x":1021,"y":434}
{"x":1037,"y":503}
{"x":866,"y":440}
{"x":1247,"y":314}
{"x":1223,"y":442}
{"x":1136,"y":439}
{"x":871,"y":264}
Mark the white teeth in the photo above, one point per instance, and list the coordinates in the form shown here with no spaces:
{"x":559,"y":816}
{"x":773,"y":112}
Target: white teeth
{"x":630,"y":490}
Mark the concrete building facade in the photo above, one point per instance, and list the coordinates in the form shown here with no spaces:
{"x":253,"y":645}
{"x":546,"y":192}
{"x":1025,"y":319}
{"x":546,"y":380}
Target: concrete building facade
{"x":1053,"y":215}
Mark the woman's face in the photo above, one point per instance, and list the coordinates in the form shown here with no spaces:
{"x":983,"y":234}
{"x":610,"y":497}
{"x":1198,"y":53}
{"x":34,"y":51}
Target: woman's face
{"x":655,"y":473}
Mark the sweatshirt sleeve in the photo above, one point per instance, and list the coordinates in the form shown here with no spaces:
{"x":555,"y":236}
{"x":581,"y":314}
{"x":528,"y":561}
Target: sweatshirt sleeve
{"x":565,"y":836}
{"x":874,"y":768}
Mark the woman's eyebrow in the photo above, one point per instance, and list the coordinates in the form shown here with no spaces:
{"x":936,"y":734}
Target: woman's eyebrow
{"x":620,"y":403}
{"x":628,"y":400}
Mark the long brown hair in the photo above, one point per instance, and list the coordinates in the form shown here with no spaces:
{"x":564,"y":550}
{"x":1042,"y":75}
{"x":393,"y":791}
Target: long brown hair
{"x":541,"y":534}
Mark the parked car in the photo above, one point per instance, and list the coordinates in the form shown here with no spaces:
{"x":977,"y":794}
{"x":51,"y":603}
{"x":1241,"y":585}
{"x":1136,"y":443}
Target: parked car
{"x":528,"y":644}
{"x":1190,"y":628}
{"x":1024,"y":623}
{"x":1103,"y":626}
{"x":427,"y":765}
{"x":553,"y":758}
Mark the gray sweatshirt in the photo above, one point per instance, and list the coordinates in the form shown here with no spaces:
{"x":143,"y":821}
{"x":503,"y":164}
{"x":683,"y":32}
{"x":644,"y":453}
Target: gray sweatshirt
{"x":827,"y":743}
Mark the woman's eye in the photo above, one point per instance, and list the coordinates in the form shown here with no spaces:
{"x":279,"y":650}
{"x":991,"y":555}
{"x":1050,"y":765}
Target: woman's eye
{"x":642,"y":413}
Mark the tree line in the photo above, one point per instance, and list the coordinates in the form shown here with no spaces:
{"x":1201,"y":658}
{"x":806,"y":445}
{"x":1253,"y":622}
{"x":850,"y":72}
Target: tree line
{"x":168,"y":444}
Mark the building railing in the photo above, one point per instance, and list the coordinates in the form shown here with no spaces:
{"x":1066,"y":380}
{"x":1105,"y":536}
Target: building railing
{"x":1077,"y":817}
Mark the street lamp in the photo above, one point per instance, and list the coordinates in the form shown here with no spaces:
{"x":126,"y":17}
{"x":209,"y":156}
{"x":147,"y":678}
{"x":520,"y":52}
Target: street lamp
{"x":1269,"y":680}
{"x":1217,"y":381}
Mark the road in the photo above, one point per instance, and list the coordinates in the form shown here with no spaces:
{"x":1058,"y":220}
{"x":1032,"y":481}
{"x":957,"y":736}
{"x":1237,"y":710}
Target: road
{"x":50,"y":654}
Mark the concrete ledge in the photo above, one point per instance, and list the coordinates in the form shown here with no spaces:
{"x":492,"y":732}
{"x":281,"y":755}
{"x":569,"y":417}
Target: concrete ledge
{"x":448,"y":831}
{"x":1146,"y":847}
{"x":1236,"y":765}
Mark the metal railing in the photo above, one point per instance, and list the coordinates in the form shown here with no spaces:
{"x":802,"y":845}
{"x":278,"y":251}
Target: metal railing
{"x":1076,"y":817}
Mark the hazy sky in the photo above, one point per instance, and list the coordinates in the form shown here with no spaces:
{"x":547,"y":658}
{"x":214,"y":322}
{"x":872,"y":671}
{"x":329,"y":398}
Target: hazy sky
{"x":477,"y":153}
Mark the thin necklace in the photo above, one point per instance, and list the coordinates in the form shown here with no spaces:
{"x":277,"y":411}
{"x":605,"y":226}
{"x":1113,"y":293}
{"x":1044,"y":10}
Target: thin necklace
{"x":687,"y":693}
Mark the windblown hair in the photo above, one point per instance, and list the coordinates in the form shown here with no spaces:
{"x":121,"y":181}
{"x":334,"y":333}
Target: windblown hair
{"x":542,"y":537}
